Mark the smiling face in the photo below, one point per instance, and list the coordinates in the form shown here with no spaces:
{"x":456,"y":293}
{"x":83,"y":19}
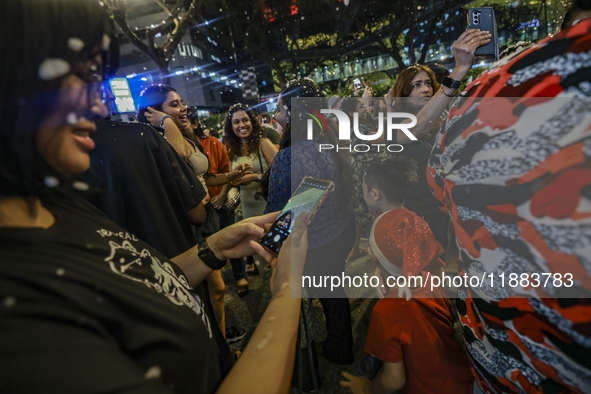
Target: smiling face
{"x":422,"y":90}
{"x":241,"y":125}
{"x":174,"y":106}
{"x":63,"y":139}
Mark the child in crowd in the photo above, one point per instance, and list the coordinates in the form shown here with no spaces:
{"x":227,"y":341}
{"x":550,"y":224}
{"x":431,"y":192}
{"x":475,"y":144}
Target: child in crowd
{"x":414,"y":337}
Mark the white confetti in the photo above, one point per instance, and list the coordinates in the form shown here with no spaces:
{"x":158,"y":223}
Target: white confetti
{"x":51,"y":181}
{"x":81,"y":186}
{"x":53,"y":68}
{"x":9,"y":301}
{"x":60,"y":272}
{"x":153,"y":373}
{"x":75,"y":44}
{"x":106,"y":42}
{"x":72,"y":118}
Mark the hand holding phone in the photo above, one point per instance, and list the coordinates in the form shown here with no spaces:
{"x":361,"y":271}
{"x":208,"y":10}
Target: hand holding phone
{"x":464,"y":49}
{"x":483,"y":18}
{"x":358,"y":84}
{"x":290,"y":262}
{"x":308,"y":197}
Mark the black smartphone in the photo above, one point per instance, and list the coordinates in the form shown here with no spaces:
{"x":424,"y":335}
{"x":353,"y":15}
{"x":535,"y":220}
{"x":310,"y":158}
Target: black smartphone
{"x":483,"y":18}
{"x":358,"y":83}
{"x":308,"y":197}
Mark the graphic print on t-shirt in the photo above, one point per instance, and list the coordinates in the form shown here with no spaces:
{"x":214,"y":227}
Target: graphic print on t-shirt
{"x":124,"y":256}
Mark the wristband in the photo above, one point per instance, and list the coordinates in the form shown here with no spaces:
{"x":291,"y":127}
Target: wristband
{"x":163,"y":119}
{"x":451,"y":83}
{"x":207,"y":256}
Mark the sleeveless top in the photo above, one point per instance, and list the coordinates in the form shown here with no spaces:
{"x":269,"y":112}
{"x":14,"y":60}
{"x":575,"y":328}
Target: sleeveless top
{"x":199,"y":163}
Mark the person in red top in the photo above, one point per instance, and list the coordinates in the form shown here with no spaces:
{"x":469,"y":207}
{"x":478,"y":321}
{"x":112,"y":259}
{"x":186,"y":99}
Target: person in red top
{"x":413,"y":336}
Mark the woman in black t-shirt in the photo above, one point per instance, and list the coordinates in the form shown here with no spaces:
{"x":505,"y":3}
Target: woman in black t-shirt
{"x":87,"y":306}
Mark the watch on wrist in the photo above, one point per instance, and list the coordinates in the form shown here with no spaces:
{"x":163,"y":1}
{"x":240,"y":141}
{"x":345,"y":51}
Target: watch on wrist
{"x":163,"y":119}
{"x":260,"y":176}
{"x":451,"y":83}
{"x":207,"y":256}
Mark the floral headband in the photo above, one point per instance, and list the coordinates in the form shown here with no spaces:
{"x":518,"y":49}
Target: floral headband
{"x":236,"y":108}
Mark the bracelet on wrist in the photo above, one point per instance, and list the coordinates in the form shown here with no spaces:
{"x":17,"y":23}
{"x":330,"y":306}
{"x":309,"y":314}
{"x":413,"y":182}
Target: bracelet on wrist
{"x":163,"y":119}
{"x":453,"y":95}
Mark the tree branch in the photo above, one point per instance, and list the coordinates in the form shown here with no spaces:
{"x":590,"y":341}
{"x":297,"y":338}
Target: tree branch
{"x":180,"y":29}
{"x":172,"y":17}
{"x":120,"y":17}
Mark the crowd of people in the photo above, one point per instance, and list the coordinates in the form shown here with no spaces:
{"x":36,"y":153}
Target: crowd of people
{"x":113,"y":234}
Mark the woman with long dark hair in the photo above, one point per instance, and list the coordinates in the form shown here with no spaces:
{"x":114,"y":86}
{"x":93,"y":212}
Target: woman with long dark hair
{"x":246,"y":145}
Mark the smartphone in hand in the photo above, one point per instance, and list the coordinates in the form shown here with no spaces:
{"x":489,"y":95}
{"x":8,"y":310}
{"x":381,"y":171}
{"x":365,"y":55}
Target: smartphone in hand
{"x":483,"y":18}
{"x":308,"y":197}
{"x":358,"y":83}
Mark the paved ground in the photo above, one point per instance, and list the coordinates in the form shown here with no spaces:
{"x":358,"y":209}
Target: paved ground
{"x":244,"y":312}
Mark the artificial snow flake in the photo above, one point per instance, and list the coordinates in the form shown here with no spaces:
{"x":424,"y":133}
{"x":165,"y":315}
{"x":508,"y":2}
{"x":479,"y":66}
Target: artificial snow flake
{"x":51,"y":181}
{"x":81,"y":186}
{"x":75,"y":44}
{"x":72,"y":118}
{"x":53,"y":68}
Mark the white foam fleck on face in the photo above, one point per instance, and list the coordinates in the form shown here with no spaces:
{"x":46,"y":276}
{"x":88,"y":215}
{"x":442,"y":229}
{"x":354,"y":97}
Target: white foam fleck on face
{"x":51,"y":181}
{"x":285,"y":286}
{"x":82,"y":186}
{"x":60,"y":272}
{"x":53,"y":68}
{"x":106,"y":42}
{"x":153,"y":372}
{"x":75,"y":44}
{"x":72,"y":118}
{"x":9,"y":301}
{"x":272,"y":318}
{"x":265,"y":341}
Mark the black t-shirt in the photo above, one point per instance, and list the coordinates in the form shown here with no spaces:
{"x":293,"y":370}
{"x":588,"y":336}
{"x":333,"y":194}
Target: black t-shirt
{"x":87,"y":307}
{"x":146,"y":188}
{"x":144,"y":185}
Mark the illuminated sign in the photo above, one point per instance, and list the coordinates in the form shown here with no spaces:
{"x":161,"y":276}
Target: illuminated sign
{"x":123,"y":98}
